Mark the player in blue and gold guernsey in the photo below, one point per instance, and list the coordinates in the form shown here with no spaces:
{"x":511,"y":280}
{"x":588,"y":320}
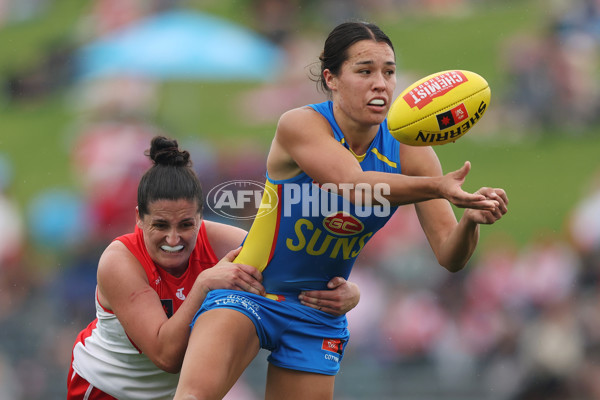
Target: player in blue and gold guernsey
{"x":334,"y":177}
{"x":323,"y":234}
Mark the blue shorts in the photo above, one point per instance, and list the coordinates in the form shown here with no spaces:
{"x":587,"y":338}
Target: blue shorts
{"x":298,"y":337}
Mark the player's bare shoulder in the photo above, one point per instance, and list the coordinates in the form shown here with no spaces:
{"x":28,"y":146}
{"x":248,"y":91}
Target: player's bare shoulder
{"x":117,"y":260}
{"x":297,"y":120}
{"x":116,"y":250}
{"x":295,"y":130}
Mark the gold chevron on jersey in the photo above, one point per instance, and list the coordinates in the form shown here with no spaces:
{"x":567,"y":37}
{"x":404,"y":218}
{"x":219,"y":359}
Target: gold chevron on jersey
{"x":383,"y":158}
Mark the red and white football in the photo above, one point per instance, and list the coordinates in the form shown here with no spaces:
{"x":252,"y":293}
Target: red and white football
{"x":439,"y":108}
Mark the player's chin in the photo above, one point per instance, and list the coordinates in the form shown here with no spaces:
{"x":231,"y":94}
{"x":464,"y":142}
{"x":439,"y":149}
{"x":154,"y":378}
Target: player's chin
{"x":173,"y":261}
{"x":376,"y":118}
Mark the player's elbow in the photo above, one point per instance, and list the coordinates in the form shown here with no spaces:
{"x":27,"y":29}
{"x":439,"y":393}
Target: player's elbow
{"x":454,"y":257}
{"x":451,"y":264}
{"x":453,"y":267}
{"x":167,"y":364}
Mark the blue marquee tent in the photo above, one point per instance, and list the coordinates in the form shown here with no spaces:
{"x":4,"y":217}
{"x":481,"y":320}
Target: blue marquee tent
{"x":182,"y":45}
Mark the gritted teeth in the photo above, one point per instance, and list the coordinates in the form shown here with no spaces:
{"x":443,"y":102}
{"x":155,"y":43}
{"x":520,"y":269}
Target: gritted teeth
{"x":171,"y":249}
{"x":377,"y":102}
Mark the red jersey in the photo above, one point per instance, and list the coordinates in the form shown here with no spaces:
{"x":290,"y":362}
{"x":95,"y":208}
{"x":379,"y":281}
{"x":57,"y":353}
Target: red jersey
{"x":103,"y":354}
{"x":171,"y":290}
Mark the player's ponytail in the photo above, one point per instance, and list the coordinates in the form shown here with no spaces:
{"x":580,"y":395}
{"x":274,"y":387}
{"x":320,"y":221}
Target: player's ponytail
{"x":166,"y":151}
{"x":171,"y":176}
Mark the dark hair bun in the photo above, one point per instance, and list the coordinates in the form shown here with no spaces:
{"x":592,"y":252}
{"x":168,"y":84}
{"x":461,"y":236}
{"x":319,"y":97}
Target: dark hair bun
{"x":164,"y":151}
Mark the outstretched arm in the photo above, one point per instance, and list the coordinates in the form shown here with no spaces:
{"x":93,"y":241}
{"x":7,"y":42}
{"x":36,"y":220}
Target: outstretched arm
{"x":303,"y":142}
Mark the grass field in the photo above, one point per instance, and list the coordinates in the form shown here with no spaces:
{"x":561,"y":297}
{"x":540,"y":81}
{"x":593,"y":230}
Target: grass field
{"x":544,"y":178}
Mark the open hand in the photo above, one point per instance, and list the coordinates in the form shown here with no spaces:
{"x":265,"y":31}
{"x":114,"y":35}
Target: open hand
{"x":341,"y":297}
{"x":451,"y":188}
{"x":228,"y":275}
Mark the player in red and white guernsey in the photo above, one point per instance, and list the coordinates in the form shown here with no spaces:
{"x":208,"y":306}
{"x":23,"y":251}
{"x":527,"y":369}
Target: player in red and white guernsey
{"x":152,"y":281}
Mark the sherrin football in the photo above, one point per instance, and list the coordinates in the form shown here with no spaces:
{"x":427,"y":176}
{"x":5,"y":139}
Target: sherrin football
{"x":439,"y":108}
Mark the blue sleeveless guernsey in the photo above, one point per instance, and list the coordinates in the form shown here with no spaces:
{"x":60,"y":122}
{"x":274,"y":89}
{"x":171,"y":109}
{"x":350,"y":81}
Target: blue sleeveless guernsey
{"x":302,"y":237}
{"x":312,"y":235}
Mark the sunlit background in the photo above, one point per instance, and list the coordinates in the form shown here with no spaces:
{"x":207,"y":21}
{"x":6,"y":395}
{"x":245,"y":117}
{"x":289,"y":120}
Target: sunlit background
{"x":86,"y":84}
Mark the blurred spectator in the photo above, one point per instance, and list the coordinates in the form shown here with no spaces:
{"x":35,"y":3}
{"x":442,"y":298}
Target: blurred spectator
{"x":12,"y":228}
{"x":109,"y":173}
{"x":584,"y":225}
{"x":403,"y":254}
{"x":583,"y":230}
{"x":14,"y":276}
{"x":8,"y":382}
{"x":21,"y":10}
{"x":54,"y":72}
{"x":545,"y":274}
{"x":529,"y":64}
{"x":578,"y":16}
{"x":58,"y":220}
{"x":115,"y":97}
{"x":553,"y":343}
{"x":544,"y":387}
{"x":276,"y":19}
{"x":205,"y":161}
{"x":109,"y":16}
{"x":553,"y":75}
{"x":294,"y":88}
{"x":588,"y":381}
{"x":369,"y":311}
{"x":412,"y":324}
{"x":490,"y":284}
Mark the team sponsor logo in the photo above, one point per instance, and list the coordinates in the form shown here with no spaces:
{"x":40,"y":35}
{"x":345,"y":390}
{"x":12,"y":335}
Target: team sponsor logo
{"x":452,"y":116}
{"x":241,"y":301}
{"x":242,"y":199}
{"x":316,"y":242}
{"x":436,"y":86}
{"x":167,"y":306}
{"x":343,"y":224}
{"x":333,"y":345}
{"x":179,"y":294}
{"x":454,"y":132}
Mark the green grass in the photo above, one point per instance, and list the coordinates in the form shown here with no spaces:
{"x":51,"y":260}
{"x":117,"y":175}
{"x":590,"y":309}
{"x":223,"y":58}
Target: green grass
{"x":425,"y":44}
{"x":208,"y":110}
{"x":544,"y":179}
{"x":33,"y":138}
{"x":24,"y":44}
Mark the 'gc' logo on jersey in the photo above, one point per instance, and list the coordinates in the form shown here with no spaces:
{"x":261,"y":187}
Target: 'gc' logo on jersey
{"x":344,"y":224}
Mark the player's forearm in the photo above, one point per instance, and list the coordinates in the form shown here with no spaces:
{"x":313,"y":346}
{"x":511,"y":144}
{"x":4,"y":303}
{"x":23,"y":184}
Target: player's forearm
{"x":175,"y":332}
{"x":459,"y":246}
{"x":393,"y":189}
